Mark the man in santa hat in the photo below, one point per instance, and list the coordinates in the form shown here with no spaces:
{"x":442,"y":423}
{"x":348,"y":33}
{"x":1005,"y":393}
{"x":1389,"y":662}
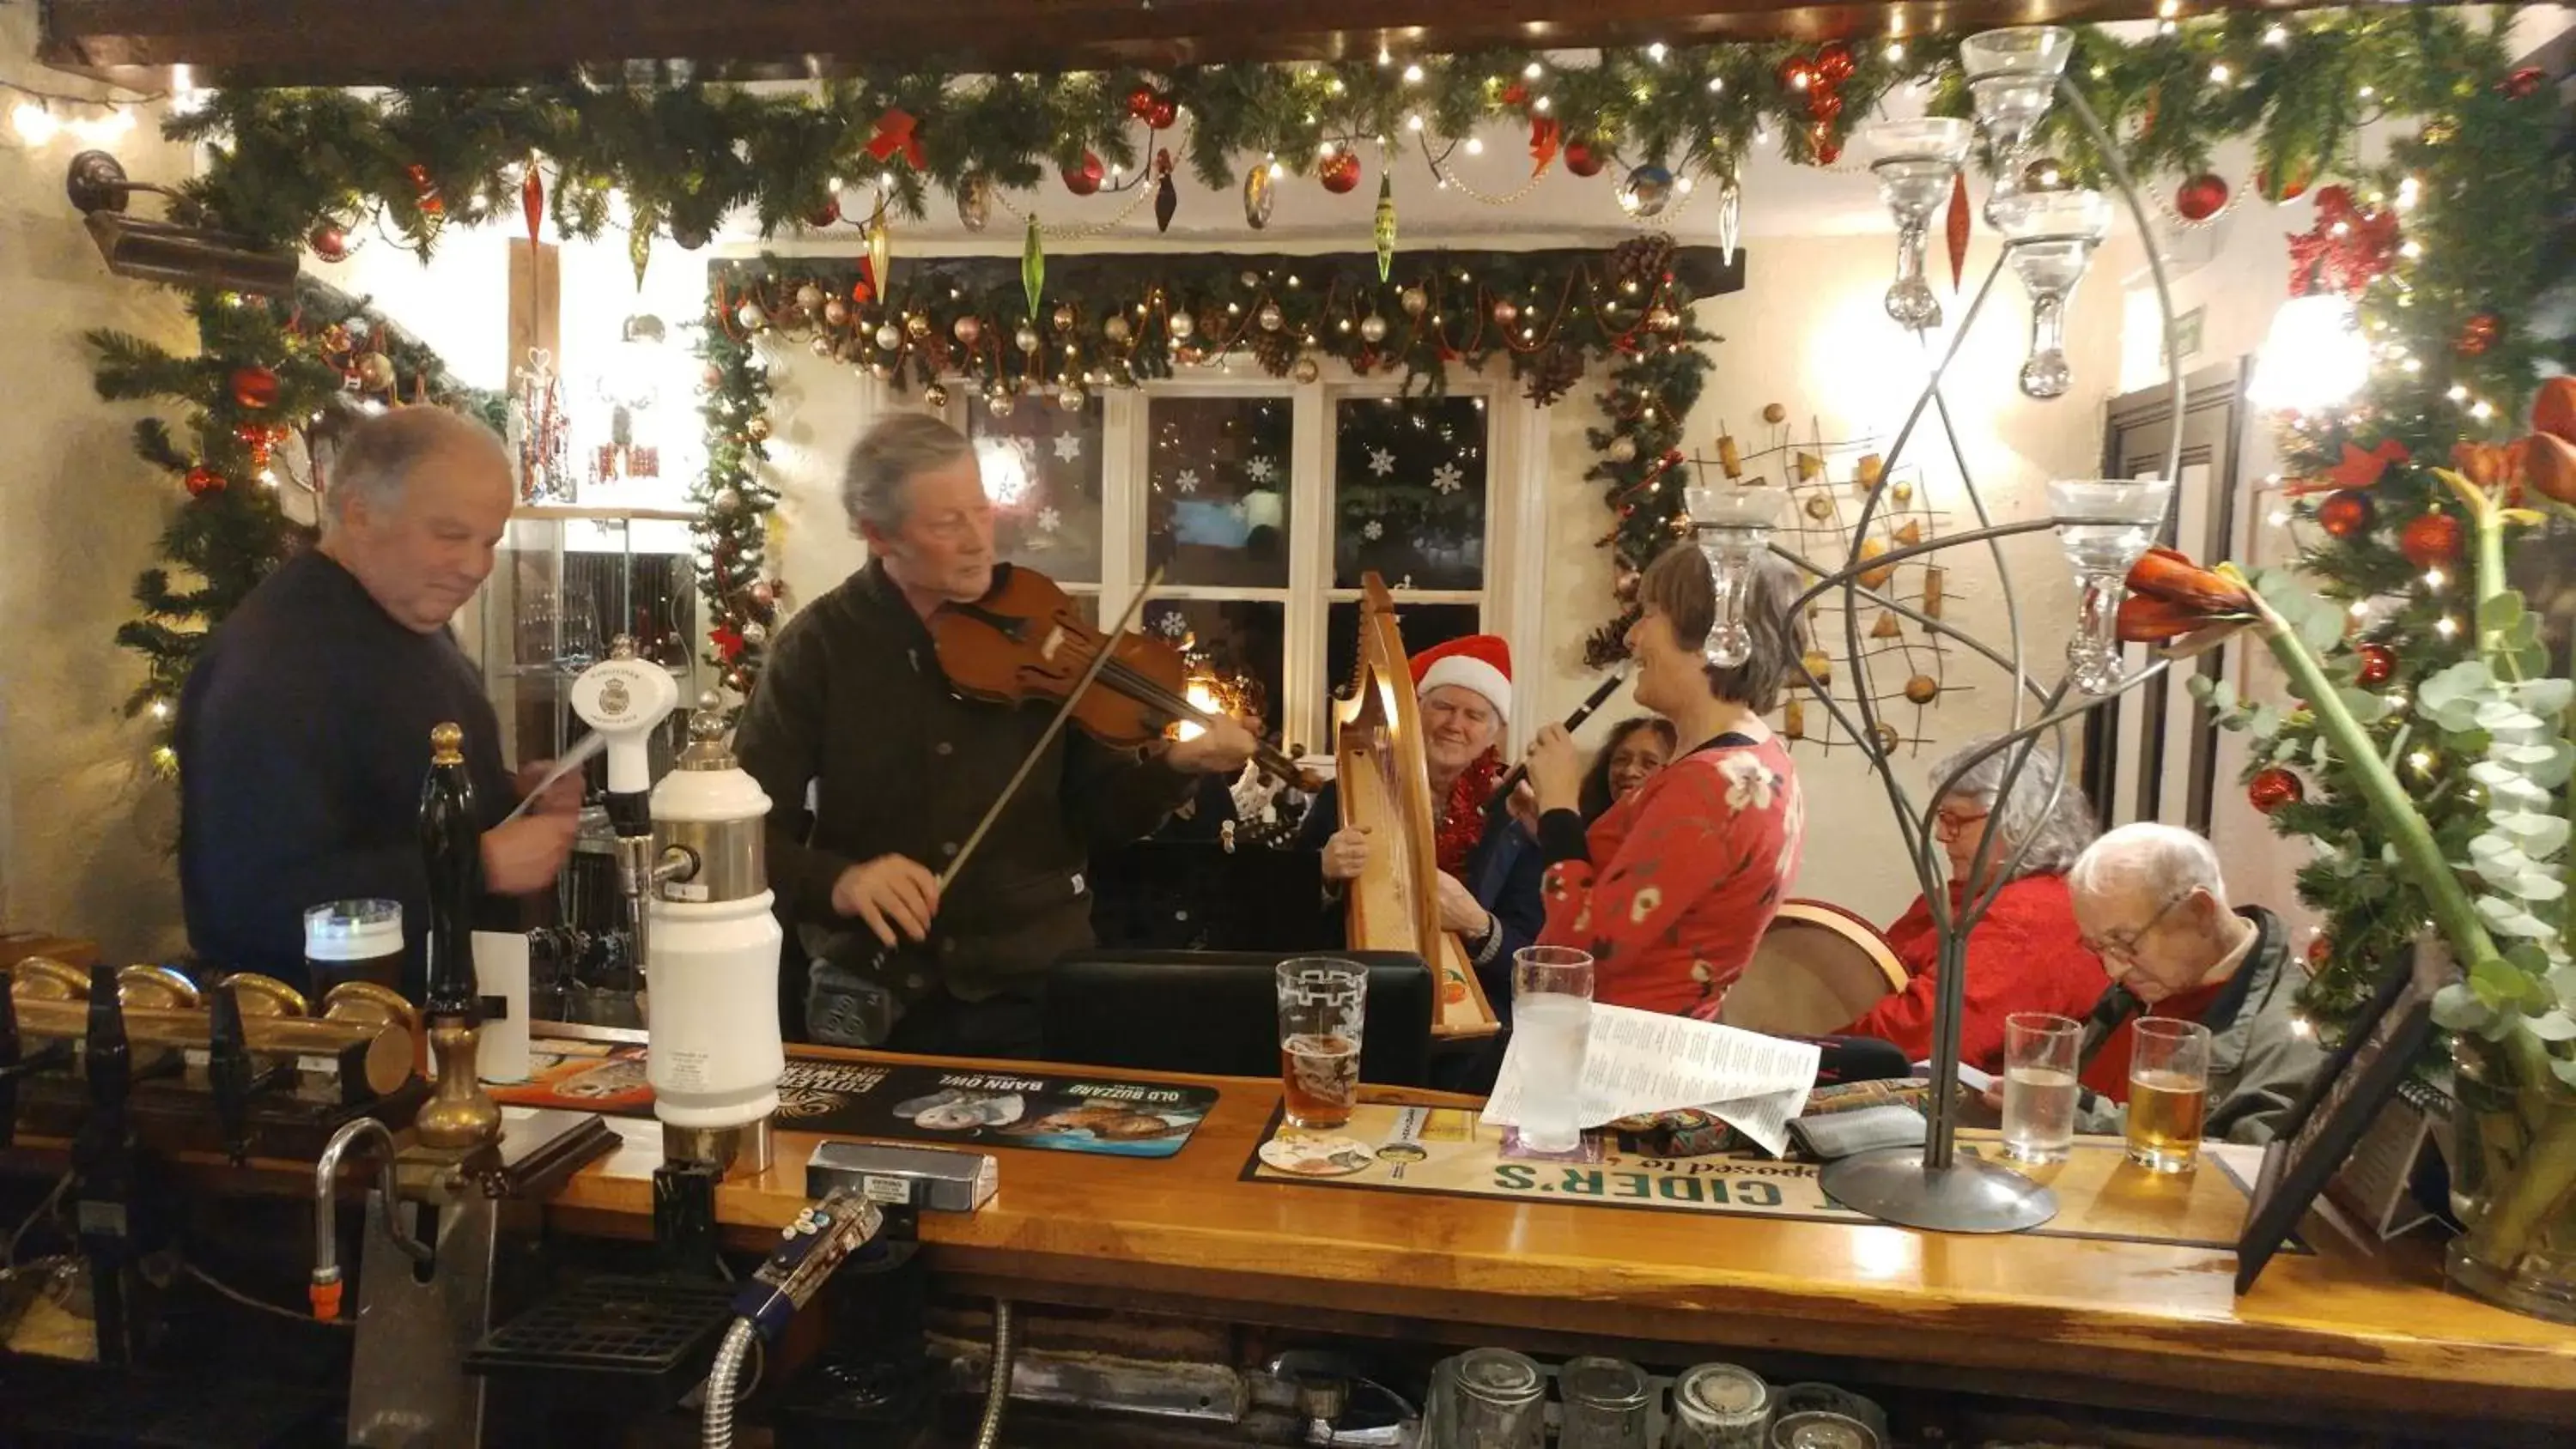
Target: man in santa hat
{"x":1489,"y":866}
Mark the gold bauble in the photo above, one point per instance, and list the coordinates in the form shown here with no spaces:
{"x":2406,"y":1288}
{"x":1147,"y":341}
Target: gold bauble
{"x":1774,"y":414}
{"x":916,"y":327}
{"x":1416,"y":301}
{"x":1922,"y":689}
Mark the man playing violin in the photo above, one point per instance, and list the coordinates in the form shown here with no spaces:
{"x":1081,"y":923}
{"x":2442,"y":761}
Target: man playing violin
{"x":879,"y":772}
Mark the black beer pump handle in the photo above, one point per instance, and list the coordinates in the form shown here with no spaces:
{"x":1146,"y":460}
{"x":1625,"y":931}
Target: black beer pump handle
{"x":451,"y":843}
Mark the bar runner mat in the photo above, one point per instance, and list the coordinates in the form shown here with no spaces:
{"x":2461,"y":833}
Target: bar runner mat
{"x":1448,"y":1153}
{"x":1106,"y":1115}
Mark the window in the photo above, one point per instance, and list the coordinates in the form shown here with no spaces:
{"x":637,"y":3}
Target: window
{"x":1264,"y":504}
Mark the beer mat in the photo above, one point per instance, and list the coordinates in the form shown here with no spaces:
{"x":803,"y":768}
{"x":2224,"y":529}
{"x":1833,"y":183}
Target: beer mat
{"x":1047,"y":1111}
{"x":1451,"y":1153}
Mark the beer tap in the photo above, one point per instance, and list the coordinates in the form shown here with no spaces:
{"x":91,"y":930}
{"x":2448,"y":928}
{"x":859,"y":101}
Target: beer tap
{"x":624,"y":699}
{"x":103,"y":1166}
{"x":232,"y":1073}
{"x":461,"y":1116}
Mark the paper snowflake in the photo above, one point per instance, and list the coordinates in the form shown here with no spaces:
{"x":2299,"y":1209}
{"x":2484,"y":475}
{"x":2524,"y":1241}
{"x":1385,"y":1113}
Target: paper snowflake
{"x":1446,"y":479}
{"x":1068,"y":447}
{"x":1259,"y":470}
{"x":1173,"y":625}
{"x":1381,"y":462}
{"x":1188,"y":481}
{"x":1049,"y":520}
{"x":1373,"y":530}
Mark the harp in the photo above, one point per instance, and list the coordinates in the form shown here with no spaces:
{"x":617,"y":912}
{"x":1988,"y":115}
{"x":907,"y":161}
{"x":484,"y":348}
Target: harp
{"x":1384,"y":784}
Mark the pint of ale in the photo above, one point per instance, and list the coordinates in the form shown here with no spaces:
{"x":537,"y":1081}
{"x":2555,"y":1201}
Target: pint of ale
{"x":1323,"y":1005}
{"x":2168,"y":1093}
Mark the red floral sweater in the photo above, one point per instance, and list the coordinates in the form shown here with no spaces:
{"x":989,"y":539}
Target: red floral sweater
{"x":2025,"y":955}
{"x":1683,"y":877}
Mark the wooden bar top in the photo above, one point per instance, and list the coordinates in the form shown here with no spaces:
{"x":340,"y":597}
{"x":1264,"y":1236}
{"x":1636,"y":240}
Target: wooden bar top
{"x":2353,"y":1328}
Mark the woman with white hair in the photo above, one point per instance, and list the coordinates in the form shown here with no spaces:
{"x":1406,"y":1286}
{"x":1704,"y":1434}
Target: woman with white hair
{"x":2026,"y":953}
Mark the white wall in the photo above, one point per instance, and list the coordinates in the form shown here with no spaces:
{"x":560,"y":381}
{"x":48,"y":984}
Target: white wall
{"x":84,"y":823}
{"x":1809,"y":332}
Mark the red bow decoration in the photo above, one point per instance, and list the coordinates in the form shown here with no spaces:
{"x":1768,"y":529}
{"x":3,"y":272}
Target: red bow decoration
{"x":728,"y":641}
{"x":1516,"y":94}
{"x":897,"y":132}
{"x":2360,"y":470}
{"x":1546,"y":138}
{"x":2346,"y":250}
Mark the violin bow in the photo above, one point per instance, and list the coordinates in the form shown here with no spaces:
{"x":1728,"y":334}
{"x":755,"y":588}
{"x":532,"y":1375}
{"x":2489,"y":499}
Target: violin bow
{"x":1099,"y":662}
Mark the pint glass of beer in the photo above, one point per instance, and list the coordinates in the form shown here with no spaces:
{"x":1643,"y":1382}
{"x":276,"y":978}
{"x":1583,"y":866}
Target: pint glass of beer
{"x":1323,"y":1004}
{"x":2168,"y":1093}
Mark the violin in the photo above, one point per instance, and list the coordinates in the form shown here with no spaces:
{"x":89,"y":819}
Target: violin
{"x":1027,"y":640}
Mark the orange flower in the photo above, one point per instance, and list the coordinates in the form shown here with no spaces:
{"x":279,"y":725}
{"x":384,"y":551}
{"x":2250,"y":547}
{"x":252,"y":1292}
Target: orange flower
{"x":2169,"y":595}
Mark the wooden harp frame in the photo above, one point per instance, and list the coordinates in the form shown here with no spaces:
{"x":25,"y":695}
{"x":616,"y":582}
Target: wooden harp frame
{"x":1385,"y":784}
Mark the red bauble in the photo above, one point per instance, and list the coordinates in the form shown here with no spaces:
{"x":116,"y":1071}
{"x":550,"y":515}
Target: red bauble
{"x":1828,"y":150}
{"x":2478,"y":334}
{"x":1141,"y":102}
{"x":254,"y":387}
{"x":1083,"y":179}
{"x":2346,"y":513}
{"x":329,"y":242}
{"x":828,"y":214}
{"x":1340,"y":173}
{"x":1163,"y":115}
{"x":2431,"y":541}
{"x":2378,"y":665}
{"x":1824,"y":105}
{"x":1797,"y":74}
{"x":2523,"y":83}
{"x":1834,"y":63}
{"x":425,"y":189}
{"x":2201,"y":198}
{"x":1582,"y":158}
{"x":203,"y":480}
{"x":2273,"y":788}
{"x":2320,"y":950}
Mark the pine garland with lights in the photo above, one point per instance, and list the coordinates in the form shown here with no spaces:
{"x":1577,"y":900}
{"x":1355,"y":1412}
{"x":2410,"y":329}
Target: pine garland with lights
{"x":288,"y":163}
{"x":2476,"y":208}
{"x":265,"y":371}
{"x":1117,"y":321}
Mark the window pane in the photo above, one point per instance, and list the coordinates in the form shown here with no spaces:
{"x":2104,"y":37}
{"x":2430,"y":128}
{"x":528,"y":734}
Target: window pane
{"x":1243,"y":642}
{"x":1422,"y":626}
{"x":1409,"y":492}
{"x":1217,"y":507}
{"x":1042,"y":468}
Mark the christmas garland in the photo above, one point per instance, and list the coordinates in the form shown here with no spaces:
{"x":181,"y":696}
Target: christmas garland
{"x":266,"y":372}
{"x":1117,"y":321}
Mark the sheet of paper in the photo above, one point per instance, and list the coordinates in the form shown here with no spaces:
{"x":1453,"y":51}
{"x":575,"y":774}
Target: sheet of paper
{"x":573,"y":759}
{"x":1642,"y":1061}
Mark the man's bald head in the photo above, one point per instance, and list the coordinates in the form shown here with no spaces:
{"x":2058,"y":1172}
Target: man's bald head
{"x":418,"y":503}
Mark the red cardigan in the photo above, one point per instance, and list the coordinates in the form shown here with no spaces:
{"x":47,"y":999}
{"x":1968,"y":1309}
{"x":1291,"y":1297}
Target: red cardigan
{"x":2025,"y":955}
{"x":1683,"y":878}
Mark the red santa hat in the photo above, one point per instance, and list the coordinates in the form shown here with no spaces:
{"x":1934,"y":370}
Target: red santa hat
{"x":1481,"y":662}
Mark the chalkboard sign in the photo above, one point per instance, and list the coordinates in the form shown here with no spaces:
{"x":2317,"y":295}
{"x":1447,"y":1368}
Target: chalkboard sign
{"x":2348,"y":1094}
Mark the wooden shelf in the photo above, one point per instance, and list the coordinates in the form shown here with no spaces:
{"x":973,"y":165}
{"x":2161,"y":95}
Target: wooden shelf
{"x":577,"y":513}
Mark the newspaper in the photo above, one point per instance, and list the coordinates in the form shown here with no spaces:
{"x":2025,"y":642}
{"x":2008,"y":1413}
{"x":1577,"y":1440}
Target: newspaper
{"x":1637,"y":1062}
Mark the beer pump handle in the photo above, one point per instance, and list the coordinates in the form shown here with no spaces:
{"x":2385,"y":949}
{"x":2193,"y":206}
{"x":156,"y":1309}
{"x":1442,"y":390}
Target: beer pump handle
{"x":228,"y":1071}
{"x":9,"y":1063}
{"x":451,"y":844}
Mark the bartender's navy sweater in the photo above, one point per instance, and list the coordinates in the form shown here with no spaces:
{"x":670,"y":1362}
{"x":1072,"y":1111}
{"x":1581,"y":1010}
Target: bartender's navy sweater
{"x":303,"y":741}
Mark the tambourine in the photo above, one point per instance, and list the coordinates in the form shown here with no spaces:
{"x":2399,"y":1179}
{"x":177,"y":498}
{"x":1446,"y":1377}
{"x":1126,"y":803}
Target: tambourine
{"x":1819,"y":969}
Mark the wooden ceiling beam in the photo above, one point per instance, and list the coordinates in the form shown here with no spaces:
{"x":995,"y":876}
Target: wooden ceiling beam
{"x":340,"y":43}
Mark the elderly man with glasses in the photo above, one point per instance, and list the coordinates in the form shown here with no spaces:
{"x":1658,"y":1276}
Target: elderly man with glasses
{"x":2151,"y":904}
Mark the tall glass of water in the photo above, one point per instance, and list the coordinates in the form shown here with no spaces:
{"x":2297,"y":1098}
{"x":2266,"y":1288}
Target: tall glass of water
{"x":2105,"y":525}
{"x":1551,"y":1027}
{"x":1323,"y":1004}
{"x":2039,"y":1085}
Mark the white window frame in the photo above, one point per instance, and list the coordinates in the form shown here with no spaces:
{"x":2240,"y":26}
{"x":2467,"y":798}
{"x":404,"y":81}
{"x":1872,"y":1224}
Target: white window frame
{"x":1515,"y":547}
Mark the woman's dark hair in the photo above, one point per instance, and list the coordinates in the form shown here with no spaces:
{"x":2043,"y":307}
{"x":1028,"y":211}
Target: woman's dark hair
{"x":1596,"y":781}
{"x":1678,"y":583}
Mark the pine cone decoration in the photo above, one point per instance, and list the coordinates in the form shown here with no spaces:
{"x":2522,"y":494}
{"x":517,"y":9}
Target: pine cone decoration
{"x":1552,"y":372}
{"x":1609,"y":643}
{"x":1275,"y":351}
{"x":1641,"y":260}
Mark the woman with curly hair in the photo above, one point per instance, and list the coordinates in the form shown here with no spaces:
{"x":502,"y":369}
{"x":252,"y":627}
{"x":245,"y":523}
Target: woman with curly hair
{"x":1671,"y":889}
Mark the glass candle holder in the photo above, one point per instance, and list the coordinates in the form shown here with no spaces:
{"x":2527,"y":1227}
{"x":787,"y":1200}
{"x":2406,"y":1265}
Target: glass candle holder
{"x":1916,"y":163}
{"x":2012,"y":78}
{"x":1734,"y":527}
{"x":2104,"y":525}
{"x":2051,"y":237}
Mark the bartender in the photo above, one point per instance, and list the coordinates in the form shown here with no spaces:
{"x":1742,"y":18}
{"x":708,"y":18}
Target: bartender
{"x":877,"y":773}
{"x":303,"y":731}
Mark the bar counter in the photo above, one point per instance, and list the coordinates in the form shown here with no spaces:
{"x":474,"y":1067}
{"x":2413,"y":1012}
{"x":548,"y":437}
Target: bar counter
{"x":2352,"y":1333}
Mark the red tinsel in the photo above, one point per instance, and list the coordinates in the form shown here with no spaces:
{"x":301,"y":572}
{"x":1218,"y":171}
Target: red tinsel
{"x":1462,"y":816}
{"x":2348,"y":248}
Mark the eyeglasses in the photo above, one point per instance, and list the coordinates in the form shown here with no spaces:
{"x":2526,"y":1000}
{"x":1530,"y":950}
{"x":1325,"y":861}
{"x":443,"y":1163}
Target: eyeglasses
{"x":2125,"y":944}
{"x":1949,"y":826}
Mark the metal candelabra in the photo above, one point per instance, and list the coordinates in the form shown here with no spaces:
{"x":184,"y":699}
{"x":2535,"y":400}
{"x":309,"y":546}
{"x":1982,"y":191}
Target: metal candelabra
{"x":2013,"y":74}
